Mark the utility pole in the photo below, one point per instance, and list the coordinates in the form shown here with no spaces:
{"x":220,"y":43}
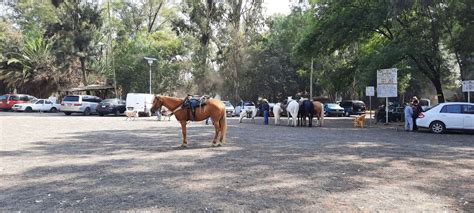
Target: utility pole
{"x":109,"y":43}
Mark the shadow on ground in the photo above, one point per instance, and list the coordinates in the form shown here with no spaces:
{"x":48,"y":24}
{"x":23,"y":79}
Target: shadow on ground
{"x":259,"y":168}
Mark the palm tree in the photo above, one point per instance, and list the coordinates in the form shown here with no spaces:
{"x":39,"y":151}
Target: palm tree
{"x":33,"y":70}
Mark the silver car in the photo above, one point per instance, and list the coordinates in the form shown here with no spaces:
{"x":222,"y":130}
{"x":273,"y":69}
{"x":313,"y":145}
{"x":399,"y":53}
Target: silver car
{"x":229,"y":108}
{"x":85,"y":104}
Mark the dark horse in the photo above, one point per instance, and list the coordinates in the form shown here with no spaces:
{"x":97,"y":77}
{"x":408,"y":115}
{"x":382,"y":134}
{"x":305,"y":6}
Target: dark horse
{"x":306,"y":110}
{"x":213,"y":108}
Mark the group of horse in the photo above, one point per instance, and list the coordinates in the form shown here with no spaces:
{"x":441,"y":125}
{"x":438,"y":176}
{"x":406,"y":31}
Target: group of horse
{"x":298,"y":111}
{"x":214,"y":109}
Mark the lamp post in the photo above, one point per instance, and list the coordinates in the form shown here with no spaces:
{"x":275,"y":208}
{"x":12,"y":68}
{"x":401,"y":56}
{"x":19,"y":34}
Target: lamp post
{"x":150,"y":61}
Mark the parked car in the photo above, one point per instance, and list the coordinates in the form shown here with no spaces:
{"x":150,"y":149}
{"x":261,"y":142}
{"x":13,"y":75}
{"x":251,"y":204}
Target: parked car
{"x":332,"y":109}
{"x":140,"y":102}
{"x":425,"y":104}
{"x":111,"y":106}
{"x":42,"y":105}
{"x":353,"y":107}
{"x":245,"y":105}
{"x":446,"y":116}
{"x":8,"y":100}
{"x":395,"y":113}
{"x":85,"y":104}
{"x":229,"y":108}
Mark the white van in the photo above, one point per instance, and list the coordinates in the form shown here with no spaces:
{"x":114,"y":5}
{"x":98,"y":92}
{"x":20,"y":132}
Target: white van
{"x":85,"y":104}
{"x":140,"y":102}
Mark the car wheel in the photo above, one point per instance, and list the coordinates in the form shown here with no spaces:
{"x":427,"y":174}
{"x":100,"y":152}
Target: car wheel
{"x":101,"y":114}
{"x":117,"y":112}
{"x":53,"y":109}
{"x":87,"y":111}
{"x":28,"y":109}
{"x":437,"y":127}
{"x":347,"y":114}
{"x":67,"y":113}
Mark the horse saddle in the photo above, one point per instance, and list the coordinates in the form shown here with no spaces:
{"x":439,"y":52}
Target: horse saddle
{"x":194,"y":101}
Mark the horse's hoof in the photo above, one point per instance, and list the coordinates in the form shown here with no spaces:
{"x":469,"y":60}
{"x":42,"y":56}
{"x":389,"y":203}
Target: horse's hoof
{"x":184,"y":145}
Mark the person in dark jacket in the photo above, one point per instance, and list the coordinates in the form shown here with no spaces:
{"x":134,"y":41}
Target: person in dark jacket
{"x":266,"y":111}
{"x":416,"y":111}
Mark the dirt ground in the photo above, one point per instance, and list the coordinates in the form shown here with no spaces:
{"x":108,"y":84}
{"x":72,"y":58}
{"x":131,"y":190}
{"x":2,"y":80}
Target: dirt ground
{"x":52,"y":162}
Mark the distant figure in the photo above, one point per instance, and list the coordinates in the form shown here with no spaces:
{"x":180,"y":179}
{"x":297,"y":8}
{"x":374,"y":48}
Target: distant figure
{"x":158,"y":115}
{"x":53,"y":99}
{"x":266,"y":111}
{"x":408,"y":117}
{"x":207,"y":120}
{"x":416,"y":111}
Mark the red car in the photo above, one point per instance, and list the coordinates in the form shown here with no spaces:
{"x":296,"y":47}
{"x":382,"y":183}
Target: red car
{"x":8,"y":100}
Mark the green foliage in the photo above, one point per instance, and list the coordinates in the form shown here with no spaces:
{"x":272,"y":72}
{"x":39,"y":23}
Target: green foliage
{"x":133,"y":71}
{"x":32,"y":70}
{"x":392,"y":34}
{"x":228,"y":48}
{"x":77,"y":31}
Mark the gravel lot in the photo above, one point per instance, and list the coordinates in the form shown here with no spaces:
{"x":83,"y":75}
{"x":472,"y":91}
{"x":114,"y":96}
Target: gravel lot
{"x":52,"y":162}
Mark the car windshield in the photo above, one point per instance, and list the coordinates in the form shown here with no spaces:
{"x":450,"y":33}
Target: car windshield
{"x":346,"y":104}
{"x":108,"y":101}
{"x":71,"y":98}
{"x":14,"y":98}
{"x":3,"y":97}
{"x":227,"y":104}
{"x":249,"y":104}
{"x":333,"y":105}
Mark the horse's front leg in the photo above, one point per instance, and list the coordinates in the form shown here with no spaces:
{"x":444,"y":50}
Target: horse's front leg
{"x":183,"y":130}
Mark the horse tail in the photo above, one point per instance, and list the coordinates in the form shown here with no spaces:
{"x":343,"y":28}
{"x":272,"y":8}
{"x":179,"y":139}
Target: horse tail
{"x":223,"y":124}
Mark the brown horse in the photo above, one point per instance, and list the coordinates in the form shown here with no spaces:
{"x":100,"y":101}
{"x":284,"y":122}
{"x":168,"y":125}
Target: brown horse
{"x":214,"y":109}
{"x":319,"y":112}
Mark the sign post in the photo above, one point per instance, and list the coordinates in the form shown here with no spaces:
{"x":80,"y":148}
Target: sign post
{"x":370,"y":91}
{"x":387,"y":86}
{"x":468,"y":86}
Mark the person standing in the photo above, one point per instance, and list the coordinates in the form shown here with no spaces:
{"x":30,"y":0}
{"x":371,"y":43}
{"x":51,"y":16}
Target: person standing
{"x":266,"y":111}
{"x":416,"y":111}
{"x":408,"y":117}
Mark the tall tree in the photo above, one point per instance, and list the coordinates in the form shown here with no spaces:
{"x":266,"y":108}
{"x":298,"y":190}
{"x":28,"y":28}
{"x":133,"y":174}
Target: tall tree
{"x":202,"y":19}
{"x":412,"y":27}
{"x":77,"y":31}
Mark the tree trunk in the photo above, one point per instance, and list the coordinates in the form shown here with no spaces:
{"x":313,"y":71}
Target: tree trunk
{"x":439,"y":90}
{"x":83,"y":69}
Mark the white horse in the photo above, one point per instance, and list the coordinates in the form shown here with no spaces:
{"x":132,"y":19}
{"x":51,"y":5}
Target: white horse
{"x":248,"y":112}
{"x":292,"y":108}
{"x":277,"y":109}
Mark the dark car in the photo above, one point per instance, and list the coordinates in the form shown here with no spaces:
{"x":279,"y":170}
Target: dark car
{"x":111,"y":106}
{"x":353,"y":107}
{"x":395,"y":113}
{"x":8,"y":100}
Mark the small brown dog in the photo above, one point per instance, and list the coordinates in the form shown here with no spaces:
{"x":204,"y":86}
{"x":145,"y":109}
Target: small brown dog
{"x":131,"y":115}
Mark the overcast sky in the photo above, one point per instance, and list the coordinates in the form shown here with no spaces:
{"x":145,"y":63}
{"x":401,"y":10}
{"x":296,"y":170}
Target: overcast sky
{"x":277,"y":6}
